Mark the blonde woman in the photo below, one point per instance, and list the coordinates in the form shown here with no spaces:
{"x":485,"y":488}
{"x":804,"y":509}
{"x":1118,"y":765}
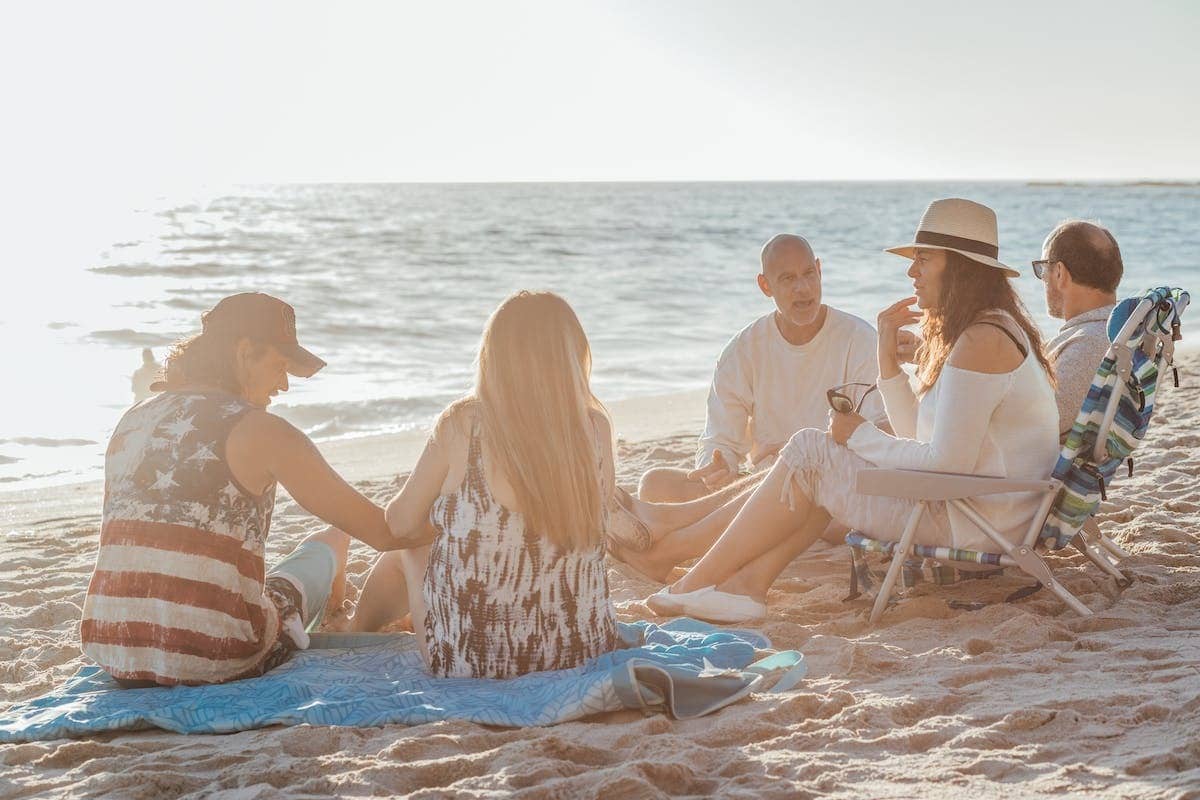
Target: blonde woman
{"x":513,"y":488}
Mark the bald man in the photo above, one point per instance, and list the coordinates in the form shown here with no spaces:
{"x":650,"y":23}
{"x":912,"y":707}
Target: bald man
{"x":772,"y":377}
{"x":1081,"y":268}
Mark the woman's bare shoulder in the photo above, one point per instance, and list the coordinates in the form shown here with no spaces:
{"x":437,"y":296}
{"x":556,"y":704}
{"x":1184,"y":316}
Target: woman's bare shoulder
{"x":454,"y":423}
{"x":985,"y":348}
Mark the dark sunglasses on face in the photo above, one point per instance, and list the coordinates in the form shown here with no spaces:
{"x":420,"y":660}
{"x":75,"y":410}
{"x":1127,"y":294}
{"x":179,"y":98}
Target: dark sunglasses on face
{"x":1042,"y":265}
{"x":843,"y":403}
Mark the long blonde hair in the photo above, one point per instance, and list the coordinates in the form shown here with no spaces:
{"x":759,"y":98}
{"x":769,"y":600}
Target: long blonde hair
{"x":534,"y":399}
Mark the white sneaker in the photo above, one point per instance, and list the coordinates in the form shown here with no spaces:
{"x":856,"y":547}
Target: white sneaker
{"x":666,"y":604}
{"x":721,"y":607}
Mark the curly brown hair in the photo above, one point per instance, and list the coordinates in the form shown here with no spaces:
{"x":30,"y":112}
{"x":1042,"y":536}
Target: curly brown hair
{"x":969,"y":292}
{"x":205,"y":359}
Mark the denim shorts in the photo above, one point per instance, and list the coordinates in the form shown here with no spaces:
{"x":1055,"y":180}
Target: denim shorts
{"x":310,"y":568}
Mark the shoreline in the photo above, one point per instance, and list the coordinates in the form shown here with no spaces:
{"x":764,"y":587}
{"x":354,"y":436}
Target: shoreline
{"x":358,"y":458}
{"x":371,"y":457}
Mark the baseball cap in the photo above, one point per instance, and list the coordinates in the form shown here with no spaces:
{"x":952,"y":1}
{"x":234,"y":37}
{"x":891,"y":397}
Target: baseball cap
{"x":263,"y":318}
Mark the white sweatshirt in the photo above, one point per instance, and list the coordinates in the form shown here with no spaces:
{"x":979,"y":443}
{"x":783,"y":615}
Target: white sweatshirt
{"x":1000,"y":425}
{"x":765,"y":389}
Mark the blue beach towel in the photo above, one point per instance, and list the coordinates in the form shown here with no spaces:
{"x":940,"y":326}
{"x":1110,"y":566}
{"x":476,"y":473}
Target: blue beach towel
{"x":685,"y":667}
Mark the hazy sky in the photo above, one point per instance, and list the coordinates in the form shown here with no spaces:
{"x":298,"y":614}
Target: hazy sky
{"x":108,"y":94}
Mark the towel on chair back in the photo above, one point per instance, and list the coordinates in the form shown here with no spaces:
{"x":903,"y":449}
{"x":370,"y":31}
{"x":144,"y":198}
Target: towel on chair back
{"x":1130,"y":369}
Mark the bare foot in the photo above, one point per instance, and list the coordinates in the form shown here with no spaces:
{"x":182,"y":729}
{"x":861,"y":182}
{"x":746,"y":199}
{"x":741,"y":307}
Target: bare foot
{"x":402,"y":625}
{"x":338,"y":618}
{"x":647,"y":564}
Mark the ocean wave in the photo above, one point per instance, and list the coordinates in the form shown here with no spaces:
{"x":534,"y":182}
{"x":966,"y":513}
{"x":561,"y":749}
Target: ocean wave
{"x":44,"y":441}
{"x":1115,"y":184}
{"x":206,"y":269}
{"x":210,"y":249}
{"x":188,"y":302}
{"x":132,"y":338}
{"x":33,"y":476}
{"x":331,"y":420}
{"x":367,"y":332}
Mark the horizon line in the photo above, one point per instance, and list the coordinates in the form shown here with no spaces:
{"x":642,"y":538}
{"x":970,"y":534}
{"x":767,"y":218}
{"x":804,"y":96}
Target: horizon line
{"x":1166,"y":182}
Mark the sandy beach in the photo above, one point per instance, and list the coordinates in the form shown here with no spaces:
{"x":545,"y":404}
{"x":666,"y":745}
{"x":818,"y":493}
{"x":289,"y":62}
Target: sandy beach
{"x":1013,"y":699}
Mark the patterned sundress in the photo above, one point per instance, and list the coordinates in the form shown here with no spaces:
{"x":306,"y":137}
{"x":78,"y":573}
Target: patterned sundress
{"x":502,"y":600}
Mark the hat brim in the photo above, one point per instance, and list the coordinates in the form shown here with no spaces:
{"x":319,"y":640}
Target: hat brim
{"x":910,"y":250}
{"x":301,"y":363}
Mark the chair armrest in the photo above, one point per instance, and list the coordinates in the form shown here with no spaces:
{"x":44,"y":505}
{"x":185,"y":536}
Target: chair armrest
{"x":920,"y":485}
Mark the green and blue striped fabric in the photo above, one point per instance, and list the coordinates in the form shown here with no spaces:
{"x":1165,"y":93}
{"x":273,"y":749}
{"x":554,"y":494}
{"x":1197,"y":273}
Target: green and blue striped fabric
{"x":1077,"y":467}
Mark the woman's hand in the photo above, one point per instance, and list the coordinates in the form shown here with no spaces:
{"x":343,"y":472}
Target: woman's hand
{"x":716,"y":475}
{"x":907,"y":343}
{"x":843,"y":425}
{"x":888,"y":323}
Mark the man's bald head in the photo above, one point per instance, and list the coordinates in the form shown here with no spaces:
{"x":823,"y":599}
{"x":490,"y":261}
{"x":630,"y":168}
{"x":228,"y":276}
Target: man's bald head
{"x":786,"y":247}
{"x":791,"y":276}
{"x":1089,"y":252}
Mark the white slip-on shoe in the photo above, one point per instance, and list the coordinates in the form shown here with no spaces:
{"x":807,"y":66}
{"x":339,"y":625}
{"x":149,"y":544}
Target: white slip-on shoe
{"x":666,"y":604}
{"x":722,"y":607}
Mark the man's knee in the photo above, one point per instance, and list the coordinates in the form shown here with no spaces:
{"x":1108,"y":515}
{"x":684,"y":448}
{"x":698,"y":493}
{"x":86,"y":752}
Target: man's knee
{"x":338,"y":541}
{"x":668,"y":485}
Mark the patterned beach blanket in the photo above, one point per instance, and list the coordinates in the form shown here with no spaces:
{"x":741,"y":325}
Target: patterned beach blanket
{"x":686,"y":668}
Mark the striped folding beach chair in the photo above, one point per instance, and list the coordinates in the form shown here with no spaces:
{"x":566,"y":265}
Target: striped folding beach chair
{"x":1111,"y":424}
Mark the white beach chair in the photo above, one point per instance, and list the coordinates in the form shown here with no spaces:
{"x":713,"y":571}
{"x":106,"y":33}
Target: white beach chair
{"x":1112,"y":422}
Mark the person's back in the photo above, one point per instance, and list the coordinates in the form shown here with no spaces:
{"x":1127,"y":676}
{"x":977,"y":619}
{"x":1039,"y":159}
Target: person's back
{"x":175,"y":516}
{"x":514,"y":484}
{"x":501,"y":599}
{"x":180,"y":593}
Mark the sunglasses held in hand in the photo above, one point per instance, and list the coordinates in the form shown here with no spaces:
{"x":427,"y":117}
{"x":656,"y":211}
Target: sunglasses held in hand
{"x":842,"y":403}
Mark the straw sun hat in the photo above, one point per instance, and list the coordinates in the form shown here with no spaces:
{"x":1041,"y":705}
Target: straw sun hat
{"x":959,"y":226}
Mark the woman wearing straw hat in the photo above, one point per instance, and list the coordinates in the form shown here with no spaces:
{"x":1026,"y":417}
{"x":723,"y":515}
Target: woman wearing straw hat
{"x":984,"y":404}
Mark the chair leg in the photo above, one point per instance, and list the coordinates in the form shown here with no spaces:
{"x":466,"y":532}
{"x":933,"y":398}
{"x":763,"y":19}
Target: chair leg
{"x":1098,"y":557}
{"x":1026,"y":559}
{"x":1112,"y":547}
{"x":1033,"y":564}
{"x":899,"y":556}
{"x":1091,"y":530}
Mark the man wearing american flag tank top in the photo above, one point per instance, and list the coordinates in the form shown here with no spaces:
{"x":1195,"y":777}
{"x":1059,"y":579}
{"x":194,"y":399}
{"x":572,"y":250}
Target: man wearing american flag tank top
{"x":181,"y":593}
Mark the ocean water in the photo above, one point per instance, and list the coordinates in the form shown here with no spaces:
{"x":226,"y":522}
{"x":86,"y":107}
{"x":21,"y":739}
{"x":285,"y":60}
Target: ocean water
{"x":392,"y":284}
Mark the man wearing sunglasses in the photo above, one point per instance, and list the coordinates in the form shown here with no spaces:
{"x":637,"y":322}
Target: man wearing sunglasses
{"x":772,"y":377}
{"x":1081,"y":268}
